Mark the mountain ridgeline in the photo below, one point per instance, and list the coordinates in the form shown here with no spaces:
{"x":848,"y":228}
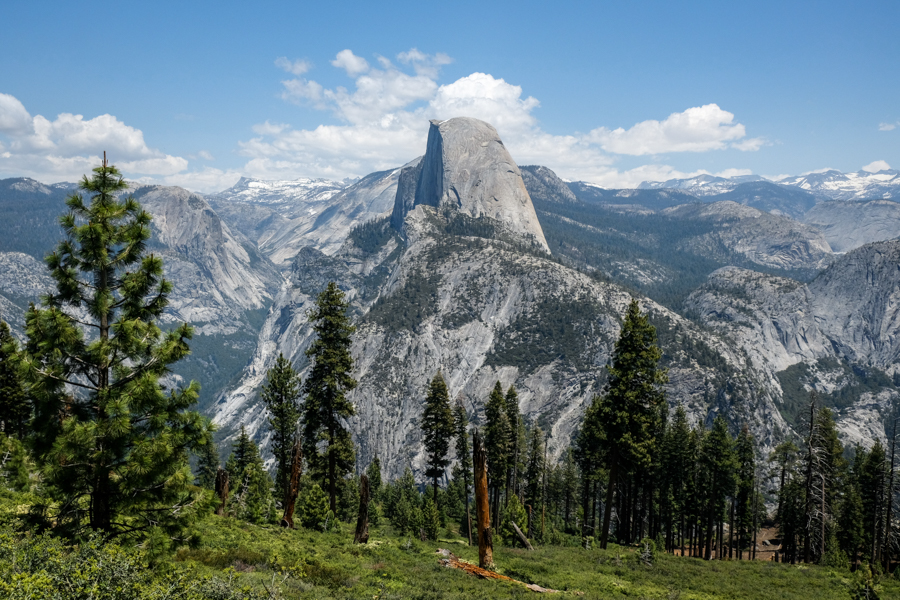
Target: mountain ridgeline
{"x":465,"y":263}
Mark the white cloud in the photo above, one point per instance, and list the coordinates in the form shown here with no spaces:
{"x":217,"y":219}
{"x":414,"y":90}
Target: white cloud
{"x":878,"y":165}
{"x":352,"y":64}
{"x":888,"y":126}
{"x":733,"y":173}
{"x":296,"y":67}
{"x":69,"y":146}
{"x":427,"y":65}
{"x":205,"y":155}
{"x":697,"y":129}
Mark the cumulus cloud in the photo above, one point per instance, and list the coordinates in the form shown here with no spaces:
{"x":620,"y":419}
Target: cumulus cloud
{"x":383,"y":122}
{"x":878,"y":165}
{"x":888,"y":126}
{"x":697,"y":129}
{"x":354,"y":65}
{"x":69,"y":146}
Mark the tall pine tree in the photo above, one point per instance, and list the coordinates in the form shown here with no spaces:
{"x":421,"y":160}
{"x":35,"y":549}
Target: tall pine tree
{"x":281,"y":395}
{"x":326,"y":389}
{"x":111,"y":442}
{"x":15,"y":409}
{"x":497,"y":434}
{"x":437,"y":429}
{"x":632,"y":404}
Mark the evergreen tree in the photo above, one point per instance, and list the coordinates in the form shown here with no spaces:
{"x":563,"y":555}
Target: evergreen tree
{"x":373,"y":472}
{"x":15,"y":409}
{"x":824,"y":467}
{"x":497,"y":433}
{"x":590,"y":446}
{"x":746,"y":480}
{"x":111,"y":443}
{"x":437,"y":428}
{"x":720,"y":471}
{"x":515,"y":425}
{"x":312,"y":506}
{"x":632,"y":404}
{"x":281,"y":396}
{"x":207,"y":465}
{"x":251,"y":485}
{"x":325,"y":389}
{"x":463,"y":469}
{"x":872,"y":479}
{"x":569,"y":487}
{"x":534,"y":474}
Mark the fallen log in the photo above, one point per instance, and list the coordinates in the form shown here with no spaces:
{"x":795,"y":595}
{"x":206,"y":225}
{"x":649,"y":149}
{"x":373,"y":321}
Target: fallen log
{"x":452,"y":561}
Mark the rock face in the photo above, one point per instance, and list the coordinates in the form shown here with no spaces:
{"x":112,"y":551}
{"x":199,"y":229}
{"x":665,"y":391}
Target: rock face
{"x":849,"y":225}
{"x":467,"y":169}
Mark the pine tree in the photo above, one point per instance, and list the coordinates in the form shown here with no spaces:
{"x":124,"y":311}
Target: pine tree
{"x":497,"y":434}
{"x":325,"y":390}
{"x":590,"y":446}
{"x":745,"y":488}
{"x":437,"y":429}
{"x":281,"y":396}
{"x":535,"y":470}
{"x":463,"y":467}
{"x":207,"y":465}
{"x":633,"y":402}
{"x":569,"y":486}
{"x":373,"y":472}
{"x":720,"y":469}
{"x":15,"y":409}
{"x":515,"y":425}
{"x":111,"y":442}
{"x":251,"y":499}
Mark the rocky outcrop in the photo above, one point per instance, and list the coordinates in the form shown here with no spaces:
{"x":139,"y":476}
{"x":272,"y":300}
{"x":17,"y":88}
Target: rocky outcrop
{"x":545,"y":185}
{"x":849,"y":225}
{"x":467,"y":169}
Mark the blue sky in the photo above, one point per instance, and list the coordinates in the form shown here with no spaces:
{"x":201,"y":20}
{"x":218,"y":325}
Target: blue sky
{"x":197,"y":94}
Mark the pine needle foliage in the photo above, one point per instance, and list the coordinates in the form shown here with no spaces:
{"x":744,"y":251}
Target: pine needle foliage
{"x":328,"y":447}
{"x":15,"y":408}
{"x":281,"y":395}
{"x":111,"y":441}
{"x":437,"y":430}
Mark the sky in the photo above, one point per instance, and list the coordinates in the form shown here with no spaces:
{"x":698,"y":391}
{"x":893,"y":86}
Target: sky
{"x":198,"y":94}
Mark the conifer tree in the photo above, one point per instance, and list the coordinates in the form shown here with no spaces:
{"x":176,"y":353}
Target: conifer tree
{"x":111,"y":442}
{"x":15,"y":409}
{"x":373,"y":472}
{"x":515,"y":424}
{"x":720,"y":469}
{"x":590,"y":449}
{"x":632,"y":404}
{"x":497,"y":434}
{"x":437,"y":428}
{"x":535,"y":470}
{"x":325,"y":389}
{"x":463,"y":467}
{"x":746,"y":480}
{"x":569,"y":487}
{"x":251,"y":499}
{"x":281,"y":396}
{"x":207,"y":465}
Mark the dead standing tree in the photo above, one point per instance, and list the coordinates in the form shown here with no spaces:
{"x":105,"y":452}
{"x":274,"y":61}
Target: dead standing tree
{"x":482,"y":507}
{"x":362,"y":522}
{"x":294,"y":486}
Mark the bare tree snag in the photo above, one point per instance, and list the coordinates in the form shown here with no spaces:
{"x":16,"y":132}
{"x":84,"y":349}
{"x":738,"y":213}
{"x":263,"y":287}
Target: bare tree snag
{"x":362,"y":522}
{"x":482,"y":507}
{"x":221,"y":490}
{"x":294,"y":487}
{"x":521,"y":536}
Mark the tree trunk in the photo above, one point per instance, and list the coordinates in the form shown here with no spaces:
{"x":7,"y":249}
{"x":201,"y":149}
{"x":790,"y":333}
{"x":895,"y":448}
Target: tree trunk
{"x":362,"y":521}
{"x":521,"y":536}
{"x":482,"y":506}
{"x":607,"y":509}
{"x":332,"y":473}
{"x":290,"y":500}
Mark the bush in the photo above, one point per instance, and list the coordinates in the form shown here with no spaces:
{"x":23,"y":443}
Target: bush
{"x":312,"y":506}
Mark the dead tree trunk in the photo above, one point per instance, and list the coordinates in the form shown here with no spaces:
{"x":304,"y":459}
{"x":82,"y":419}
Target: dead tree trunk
{"x":521,"y":535}
{"x":362,"y":522}
{"x":287,"y":520}
{"x":221,"y":490}
{"x":482,"y":506}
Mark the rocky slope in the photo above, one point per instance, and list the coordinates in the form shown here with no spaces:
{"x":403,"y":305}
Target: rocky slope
{"x":849,"y":225}
{"x":838,"y":335}
{"x":281,"y":229}
{"x":862,"y":185}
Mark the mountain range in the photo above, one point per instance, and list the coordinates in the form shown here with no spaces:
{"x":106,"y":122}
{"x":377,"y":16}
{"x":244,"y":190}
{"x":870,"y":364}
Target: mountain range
{"x":463,"y":261}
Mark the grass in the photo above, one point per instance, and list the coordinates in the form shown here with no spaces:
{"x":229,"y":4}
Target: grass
{"x":328,"y":565}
